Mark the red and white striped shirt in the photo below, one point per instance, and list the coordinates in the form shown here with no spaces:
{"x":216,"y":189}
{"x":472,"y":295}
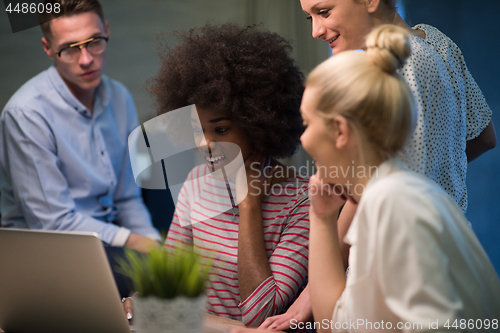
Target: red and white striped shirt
{"x":285,"y":218}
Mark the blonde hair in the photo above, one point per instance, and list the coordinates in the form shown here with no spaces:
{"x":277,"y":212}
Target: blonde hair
{"x":389,"y":4}
{"x":367,"y":91}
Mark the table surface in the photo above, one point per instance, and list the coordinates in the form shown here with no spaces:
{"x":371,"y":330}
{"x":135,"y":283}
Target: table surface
{"x":214,"y":324}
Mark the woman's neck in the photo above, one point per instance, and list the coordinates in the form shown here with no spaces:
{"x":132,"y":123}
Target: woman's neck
{"x":359,"y":183}
{"x":365,"y":170}
{"x":398,"y":21}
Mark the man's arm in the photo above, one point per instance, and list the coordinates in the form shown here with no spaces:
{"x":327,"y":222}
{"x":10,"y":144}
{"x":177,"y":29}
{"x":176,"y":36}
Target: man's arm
{"x":30,"y":156}
{"x":132,"y":212}
{"x":485,"y":141}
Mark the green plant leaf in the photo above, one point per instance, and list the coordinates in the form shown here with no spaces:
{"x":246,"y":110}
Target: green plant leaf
{"x":165,"y":274}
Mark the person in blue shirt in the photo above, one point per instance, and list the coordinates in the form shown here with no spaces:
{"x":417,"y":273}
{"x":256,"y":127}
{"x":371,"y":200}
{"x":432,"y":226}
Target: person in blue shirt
{"x":64,"y":162}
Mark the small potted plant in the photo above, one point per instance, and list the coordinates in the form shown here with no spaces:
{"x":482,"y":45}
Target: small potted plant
{"x":170,"y":290}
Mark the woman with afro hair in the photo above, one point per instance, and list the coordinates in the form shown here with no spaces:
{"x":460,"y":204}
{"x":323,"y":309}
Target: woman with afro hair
{"x":247,"y":91}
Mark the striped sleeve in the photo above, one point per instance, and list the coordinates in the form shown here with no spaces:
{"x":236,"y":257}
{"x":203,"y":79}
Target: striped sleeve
{"x":288,"y":264}
{"x":180,"y":233}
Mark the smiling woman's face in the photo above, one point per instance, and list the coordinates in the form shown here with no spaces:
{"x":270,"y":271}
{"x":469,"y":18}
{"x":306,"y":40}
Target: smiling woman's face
{"x":343,"y":24}
{"x":217,"y":138}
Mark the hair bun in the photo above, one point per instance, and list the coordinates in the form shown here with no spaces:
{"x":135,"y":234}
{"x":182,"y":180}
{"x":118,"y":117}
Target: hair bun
{"x":388,"y":47}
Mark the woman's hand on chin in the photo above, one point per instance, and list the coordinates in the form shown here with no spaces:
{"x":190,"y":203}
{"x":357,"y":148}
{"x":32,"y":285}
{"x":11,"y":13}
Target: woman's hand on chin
{"x":254,"y":178}
{"x":326,"y":200}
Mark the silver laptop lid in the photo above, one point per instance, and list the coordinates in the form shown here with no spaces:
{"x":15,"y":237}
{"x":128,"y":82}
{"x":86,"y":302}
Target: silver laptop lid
{"x":57,"y":282}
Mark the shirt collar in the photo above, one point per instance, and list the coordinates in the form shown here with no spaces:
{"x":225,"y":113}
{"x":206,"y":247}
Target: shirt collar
{"x":102,"y":94}
{"x":392,"y":165}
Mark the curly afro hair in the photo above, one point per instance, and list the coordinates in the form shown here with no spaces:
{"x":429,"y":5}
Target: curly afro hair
{"x":244,"y":73}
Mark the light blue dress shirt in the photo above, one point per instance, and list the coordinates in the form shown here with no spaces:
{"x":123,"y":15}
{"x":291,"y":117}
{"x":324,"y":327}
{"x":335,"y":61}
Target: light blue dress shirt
{"x":64,"y":168}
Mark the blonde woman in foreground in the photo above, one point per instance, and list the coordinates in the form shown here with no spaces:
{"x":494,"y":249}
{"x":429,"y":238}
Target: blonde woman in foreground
{"x":454,"y":120}
{"x":415,"y":263}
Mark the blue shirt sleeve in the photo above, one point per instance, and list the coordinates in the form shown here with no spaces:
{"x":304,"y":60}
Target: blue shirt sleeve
{"x":40,"y":186}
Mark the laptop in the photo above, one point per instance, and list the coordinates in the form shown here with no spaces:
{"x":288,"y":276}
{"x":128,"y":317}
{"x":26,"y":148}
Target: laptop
{"x":57,"y":282}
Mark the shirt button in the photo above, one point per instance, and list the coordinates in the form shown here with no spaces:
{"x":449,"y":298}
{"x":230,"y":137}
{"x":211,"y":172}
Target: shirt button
{"x":102,"y":152}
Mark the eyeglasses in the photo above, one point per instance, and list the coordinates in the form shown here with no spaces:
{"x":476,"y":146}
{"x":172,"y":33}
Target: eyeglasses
{"x":95,"y":45}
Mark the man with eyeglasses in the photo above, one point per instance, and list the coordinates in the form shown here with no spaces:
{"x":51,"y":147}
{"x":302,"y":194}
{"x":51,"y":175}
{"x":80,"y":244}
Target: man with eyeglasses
{"x":64,"y":139}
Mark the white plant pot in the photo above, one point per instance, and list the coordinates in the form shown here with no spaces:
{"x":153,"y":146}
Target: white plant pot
{"x":176,"y":315}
